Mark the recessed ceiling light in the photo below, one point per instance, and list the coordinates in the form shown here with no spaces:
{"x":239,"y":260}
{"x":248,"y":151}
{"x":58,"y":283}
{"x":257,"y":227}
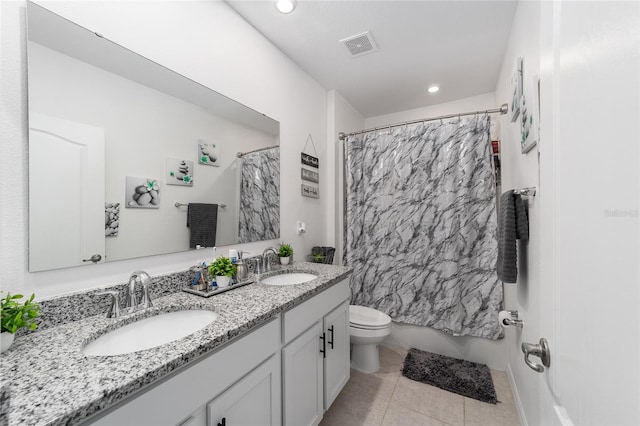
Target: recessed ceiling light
{"x":285,"y":6}
{"x":433,"y":89}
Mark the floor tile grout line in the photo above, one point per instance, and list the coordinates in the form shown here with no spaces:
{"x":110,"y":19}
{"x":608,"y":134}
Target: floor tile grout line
{"x":385,"y":411}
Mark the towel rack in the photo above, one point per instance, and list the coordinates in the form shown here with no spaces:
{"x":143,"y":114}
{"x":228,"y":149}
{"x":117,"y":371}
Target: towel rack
{"x":527,"y":192}
{"x":177,"y":204}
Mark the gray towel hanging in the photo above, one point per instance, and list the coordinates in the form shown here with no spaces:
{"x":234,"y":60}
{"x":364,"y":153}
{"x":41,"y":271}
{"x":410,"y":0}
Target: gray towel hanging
{"x":513,"y":225}
{"x":202,"y":220}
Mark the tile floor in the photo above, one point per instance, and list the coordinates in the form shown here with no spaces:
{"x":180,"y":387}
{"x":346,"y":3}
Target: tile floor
{"x":390,"y":399}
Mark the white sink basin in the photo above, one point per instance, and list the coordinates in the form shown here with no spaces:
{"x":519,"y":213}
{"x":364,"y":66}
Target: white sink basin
{"x":289,"y":279}
{"x":150,"y":332}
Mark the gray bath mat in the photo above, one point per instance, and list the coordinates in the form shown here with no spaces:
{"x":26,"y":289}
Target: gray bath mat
{"x":465,"y":378}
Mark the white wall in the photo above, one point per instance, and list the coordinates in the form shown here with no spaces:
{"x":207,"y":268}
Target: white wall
{"x":341,"y":117}
{"x":205,"y":41}
{"x":518,"y":171}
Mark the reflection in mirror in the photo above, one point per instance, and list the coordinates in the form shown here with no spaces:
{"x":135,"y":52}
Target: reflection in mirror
{"x":119,"y":145}
{"x":260,"y":195}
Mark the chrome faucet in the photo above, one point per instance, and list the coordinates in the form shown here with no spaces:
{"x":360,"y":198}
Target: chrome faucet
{"x":145,"y":301}
{"x":265,"y":258}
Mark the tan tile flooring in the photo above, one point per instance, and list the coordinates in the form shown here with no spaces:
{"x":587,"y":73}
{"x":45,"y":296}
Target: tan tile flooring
{"x":389,"y":399}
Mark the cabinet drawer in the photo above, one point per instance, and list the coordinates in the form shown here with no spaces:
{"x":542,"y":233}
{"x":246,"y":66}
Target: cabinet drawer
{"x":187,"y":389}
{"x":306,"y":314}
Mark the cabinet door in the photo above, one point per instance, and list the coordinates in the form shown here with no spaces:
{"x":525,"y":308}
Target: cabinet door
{"x":302,"y":362}
{"x":253,"y":401}
{"x":336,"y":364}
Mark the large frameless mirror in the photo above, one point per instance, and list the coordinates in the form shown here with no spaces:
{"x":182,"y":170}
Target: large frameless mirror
{"x":119,"y":146}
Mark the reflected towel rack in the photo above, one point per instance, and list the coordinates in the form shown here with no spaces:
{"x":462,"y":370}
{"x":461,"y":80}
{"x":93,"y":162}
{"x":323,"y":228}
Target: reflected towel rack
{"x":527,"y":192}
{"x":177,"y":204}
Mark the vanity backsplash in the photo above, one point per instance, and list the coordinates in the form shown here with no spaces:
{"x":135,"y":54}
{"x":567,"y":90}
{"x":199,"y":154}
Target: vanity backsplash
{"x":67,"y":308}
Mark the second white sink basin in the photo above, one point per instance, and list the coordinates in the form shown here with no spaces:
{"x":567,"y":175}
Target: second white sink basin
{"x":289,"y":279}
{"x":150,"y":332}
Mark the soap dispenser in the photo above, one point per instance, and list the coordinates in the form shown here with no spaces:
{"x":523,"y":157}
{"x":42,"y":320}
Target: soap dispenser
{"x":242,"y":272}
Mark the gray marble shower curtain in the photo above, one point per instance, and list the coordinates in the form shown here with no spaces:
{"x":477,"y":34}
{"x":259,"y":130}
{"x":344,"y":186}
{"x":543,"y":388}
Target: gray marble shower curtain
{"x":421,"y":226}
{"x":260,"y":196}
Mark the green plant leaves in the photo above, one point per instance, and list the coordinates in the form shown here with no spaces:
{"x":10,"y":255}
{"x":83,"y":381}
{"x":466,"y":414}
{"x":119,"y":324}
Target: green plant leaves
{"x":222,"y":267}
{"x":285,"y":250}
{"x":16,"y":315}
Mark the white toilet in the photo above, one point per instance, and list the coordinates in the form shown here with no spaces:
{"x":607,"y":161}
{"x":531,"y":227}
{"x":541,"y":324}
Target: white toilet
{"x":368,"y":327}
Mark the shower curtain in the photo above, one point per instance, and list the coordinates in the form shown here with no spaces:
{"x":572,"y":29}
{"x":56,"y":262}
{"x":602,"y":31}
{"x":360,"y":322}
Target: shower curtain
{"x":421,"y":226}
{"x":260,"y":196}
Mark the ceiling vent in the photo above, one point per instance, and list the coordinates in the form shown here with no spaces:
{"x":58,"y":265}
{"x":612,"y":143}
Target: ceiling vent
{"x":360,"y":44}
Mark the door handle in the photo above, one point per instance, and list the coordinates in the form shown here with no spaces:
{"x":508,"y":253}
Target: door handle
{"x":324,"y":346}
{"x":95,"y":258}
{"x":223,"y":422}
{"x":541,"y":350}
{"x":331,"y":341}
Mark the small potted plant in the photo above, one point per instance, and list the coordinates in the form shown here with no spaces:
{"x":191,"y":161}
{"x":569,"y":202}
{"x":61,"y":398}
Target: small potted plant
{"x":317,"y":257}
{"x":222,"y":269}
{"x":285,"y":252}
{"x":16,"y":315}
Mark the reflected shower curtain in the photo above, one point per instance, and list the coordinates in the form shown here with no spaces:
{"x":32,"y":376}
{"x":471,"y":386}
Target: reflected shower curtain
{"x":421,"y":226}
{"x":260,"y":196}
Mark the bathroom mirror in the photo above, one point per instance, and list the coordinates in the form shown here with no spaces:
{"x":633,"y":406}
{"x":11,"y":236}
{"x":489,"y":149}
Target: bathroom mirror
{"x":120,"y":145}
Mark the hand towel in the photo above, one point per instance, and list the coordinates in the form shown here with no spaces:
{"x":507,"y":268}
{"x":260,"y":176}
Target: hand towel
{"x":202,"y":219}
{"x":513,"y":225}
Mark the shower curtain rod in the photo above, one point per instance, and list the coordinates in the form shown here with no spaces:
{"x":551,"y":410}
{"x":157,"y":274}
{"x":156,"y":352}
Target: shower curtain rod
{"x":242,"y":154}
{"x":502,"y":110}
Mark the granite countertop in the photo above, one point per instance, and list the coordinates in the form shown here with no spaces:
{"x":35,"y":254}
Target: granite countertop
{"x":51,"y":382}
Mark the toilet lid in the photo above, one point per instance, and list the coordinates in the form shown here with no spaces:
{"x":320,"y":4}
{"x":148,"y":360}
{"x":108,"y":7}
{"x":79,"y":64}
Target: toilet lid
{"x":363,"y":317}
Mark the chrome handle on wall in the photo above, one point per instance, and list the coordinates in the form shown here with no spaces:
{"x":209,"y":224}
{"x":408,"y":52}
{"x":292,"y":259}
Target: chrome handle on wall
{"x":541,"y":350}
{"x":95,"y":258}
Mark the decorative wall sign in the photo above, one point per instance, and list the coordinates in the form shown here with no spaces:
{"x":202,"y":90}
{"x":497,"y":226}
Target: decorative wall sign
{"x":309,"y":175}
{"x":530,"y":119}
{"x":309,"y":160}
{"x":516,"y":89}
{"x":310,"y":191}
{"x":179,"y":172}
{"x":111,"y":219}
{"x":142,"y":193}
{"x":207,"y":153}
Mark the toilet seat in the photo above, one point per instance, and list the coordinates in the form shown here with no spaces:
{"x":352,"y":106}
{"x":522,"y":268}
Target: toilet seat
{"x":364,"y":318}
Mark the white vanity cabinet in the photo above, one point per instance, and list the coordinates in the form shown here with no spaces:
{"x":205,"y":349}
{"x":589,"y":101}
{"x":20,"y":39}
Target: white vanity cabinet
{"x":248,"y":367}
{"x":316,"y":355}
{"x":287,"y":371}
{"x":254,"y":400}
{"x":337,"y":366}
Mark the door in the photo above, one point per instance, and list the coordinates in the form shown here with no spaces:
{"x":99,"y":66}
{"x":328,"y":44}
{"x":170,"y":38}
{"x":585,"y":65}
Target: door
{"x":589,"y":195}
{"x":253,"y":401}
{"x":336,"y":364}
{"x":302,"y":361}
{"x":66,"y":193}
